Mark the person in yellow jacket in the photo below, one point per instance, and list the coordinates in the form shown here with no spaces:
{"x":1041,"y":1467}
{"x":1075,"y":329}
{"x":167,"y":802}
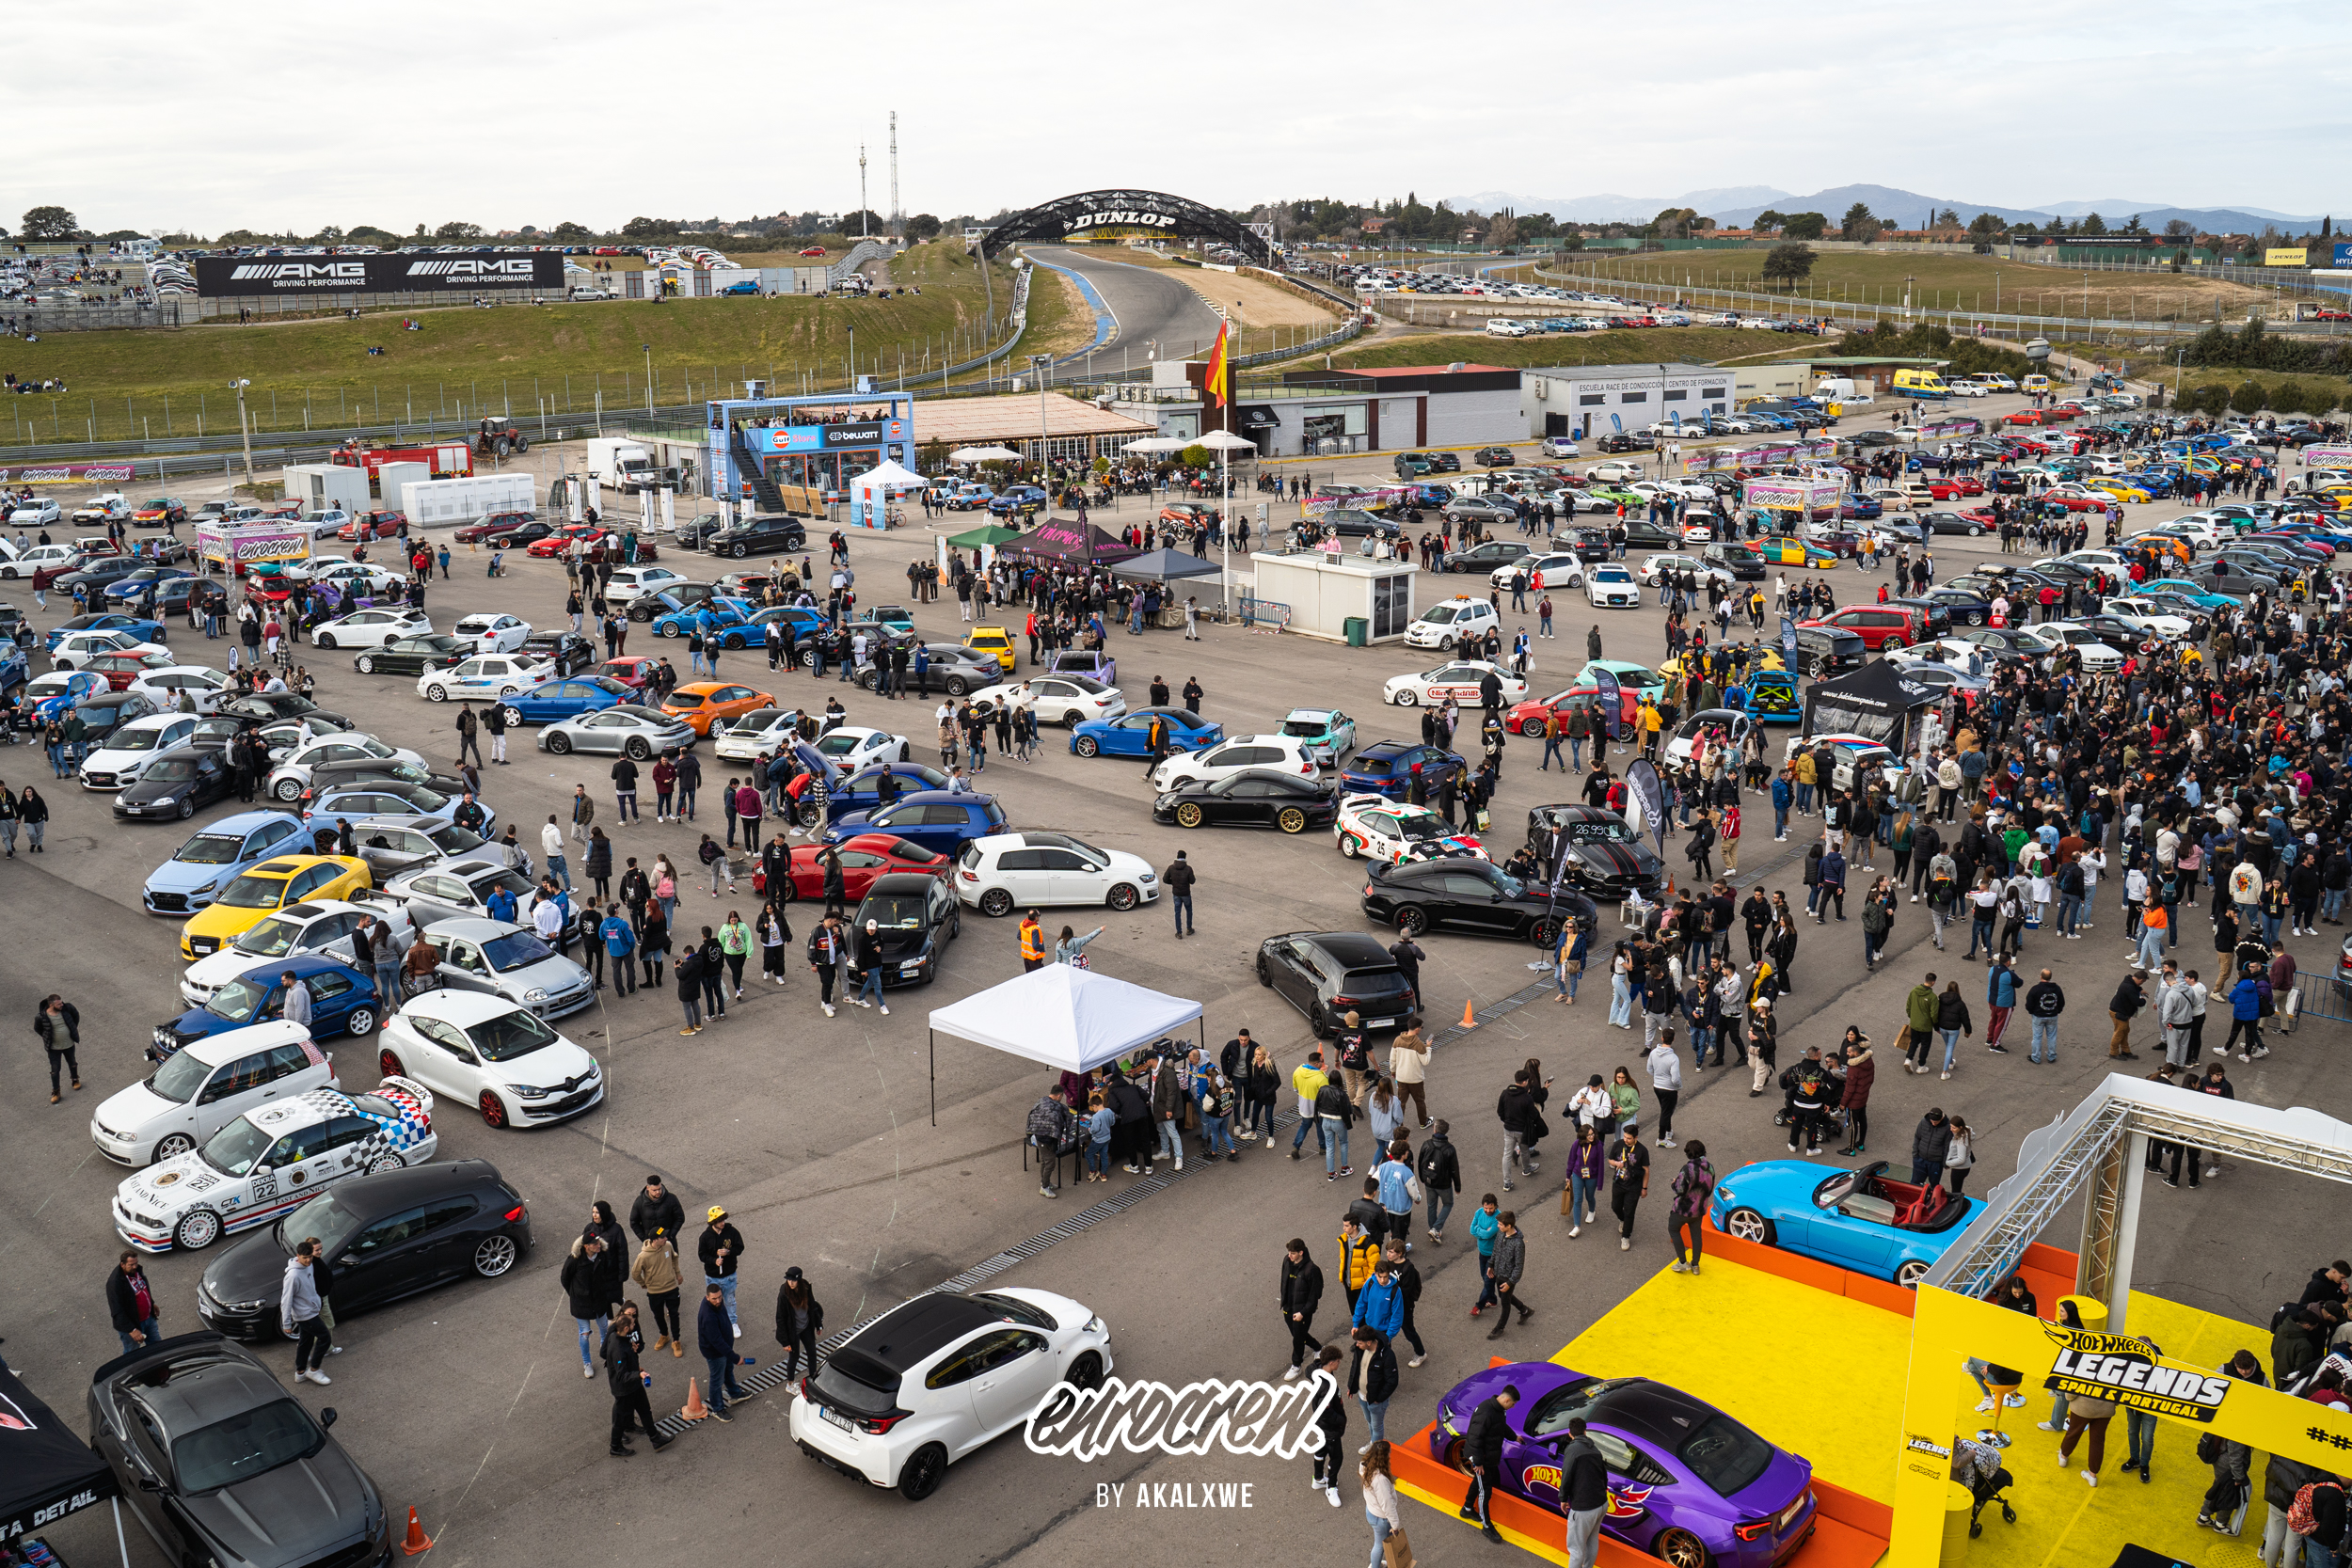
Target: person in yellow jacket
{"x":1358,"y":1252}
{"x":1807,"y":775}
{"x":1032,"y":941}
{"x":1651,"y":723}
{"x":1306,"y":1080}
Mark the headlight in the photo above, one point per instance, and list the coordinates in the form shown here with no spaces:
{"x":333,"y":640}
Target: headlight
{"x":536,"y":993}
{"x":531,"y":1091}
{"x":1094,"y":1324}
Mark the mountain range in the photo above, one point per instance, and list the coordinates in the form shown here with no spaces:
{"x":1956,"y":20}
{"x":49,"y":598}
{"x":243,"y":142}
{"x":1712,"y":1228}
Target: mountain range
{"x":1736,"y":206}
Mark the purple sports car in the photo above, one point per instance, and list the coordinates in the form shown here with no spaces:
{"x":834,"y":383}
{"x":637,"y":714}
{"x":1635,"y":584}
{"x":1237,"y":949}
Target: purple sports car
{"x":1686,"y":1483}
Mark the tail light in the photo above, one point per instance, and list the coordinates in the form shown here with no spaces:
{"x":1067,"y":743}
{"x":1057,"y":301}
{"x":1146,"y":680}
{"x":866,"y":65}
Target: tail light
{"x":971,"y":875}
{"x":517,"y":1212}
{"x":1753,"y":1530}
{"x":876,"y":1425}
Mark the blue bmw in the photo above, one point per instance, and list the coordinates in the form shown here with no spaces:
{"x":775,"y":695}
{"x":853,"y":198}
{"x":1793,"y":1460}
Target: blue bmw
{"x":1864,"y":1220}
{"x":343,"y":1001}
{"x":550,"y":700}
{"x":1130,"y":735}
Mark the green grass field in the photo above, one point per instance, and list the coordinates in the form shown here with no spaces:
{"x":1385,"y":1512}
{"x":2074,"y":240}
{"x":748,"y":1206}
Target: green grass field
{"x":1633,"y":347}
{"x":143,"y":384}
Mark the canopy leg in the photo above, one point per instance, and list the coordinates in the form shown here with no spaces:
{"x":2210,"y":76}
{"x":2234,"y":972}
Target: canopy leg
{"x":120,"y":1544}
{"x":933,"y":1035}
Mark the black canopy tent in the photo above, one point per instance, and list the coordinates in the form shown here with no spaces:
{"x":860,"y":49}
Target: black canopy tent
{"x":1165,"y":566}
{"x":46,"y":1472}
{"x":1876,"y":701}
{"x":1065,"y":541}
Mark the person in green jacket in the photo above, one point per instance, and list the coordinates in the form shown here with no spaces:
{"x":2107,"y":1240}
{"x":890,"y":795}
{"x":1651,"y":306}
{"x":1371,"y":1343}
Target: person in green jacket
{"x":735,"y":941}
{"x":1919,"y":1013}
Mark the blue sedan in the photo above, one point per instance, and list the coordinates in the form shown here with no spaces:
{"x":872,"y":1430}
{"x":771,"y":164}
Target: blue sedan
{"x":862,"y":790}
{"x":1130,"y":735}
{"x":935,"y":819}
{"x":550,"y":700}
{"x":1386,"y":767}
{"x":343,"y":1001}
{"x":721,"y":613}
{"x":135,"y":626}
{"x":1864,"y":1220}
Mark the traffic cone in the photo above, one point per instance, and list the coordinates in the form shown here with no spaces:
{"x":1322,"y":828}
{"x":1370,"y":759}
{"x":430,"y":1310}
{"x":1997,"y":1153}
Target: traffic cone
{"x":417,"y":1541}
{"x":693,"y":1410}
{"x":1469,"y":1018}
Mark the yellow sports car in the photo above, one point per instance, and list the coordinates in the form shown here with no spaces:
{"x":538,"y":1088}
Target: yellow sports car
{"x":250,"y":899}
{"x":2120,"y":489}
{"x":993,"y":639}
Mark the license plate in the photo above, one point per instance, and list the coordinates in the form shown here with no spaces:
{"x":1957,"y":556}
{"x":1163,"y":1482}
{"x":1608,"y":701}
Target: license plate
{"x":830,"y":1414}
{"x":133,"y":810}
{"x":905,"y":969}
{"x":1382,"y":1023}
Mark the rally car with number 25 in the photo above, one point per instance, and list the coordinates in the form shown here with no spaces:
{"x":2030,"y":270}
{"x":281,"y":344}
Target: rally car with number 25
{"x":1373,"y":826}
{"x":271,"y":1158}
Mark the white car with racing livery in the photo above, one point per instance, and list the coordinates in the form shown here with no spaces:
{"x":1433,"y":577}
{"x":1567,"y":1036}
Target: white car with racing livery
{"x":1373,"y":826}
{"x":1460,"y":680}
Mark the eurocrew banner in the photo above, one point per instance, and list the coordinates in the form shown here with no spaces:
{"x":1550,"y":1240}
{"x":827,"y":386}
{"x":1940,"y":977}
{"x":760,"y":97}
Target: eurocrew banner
{"x":404,"y":271}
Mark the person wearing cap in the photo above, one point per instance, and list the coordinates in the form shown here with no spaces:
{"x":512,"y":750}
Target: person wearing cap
{"x":1032,"y":942}
{"x":721,"y":1248}
{"x":868,"y":959}
{"x":800,"y":1319}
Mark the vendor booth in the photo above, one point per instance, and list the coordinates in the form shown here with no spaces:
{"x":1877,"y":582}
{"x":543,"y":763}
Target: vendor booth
{"x":1070,"y":1019}
{"x":870,"y":493}
{"x":51,"y":1471}
{"x":1794,"y":500}
{"x":982,"y":540}
{"x":232,"y":546}
{"x":1059,"y":541}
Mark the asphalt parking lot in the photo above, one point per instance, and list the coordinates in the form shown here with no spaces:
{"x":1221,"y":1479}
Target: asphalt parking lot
{"x":815,"y":1133}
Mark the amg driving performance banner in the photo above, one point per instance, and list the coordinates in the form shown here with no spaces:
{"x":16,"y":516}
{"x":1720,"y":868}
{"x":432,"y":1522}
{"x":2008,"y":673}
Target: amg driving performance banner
{"x":405,"y":272}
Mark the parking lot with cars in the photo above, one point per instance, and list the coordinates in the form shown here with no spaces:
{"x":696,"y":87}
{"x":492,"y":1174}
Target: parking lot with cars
{"x":814,"y":1132}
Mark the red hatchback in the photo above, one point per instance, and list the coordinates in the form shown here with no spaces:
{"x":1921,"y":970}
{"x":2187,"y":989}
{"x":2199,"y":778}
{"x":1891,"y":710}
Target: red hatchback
{"x":372,"y":525}
{"x":120,"y":669}
{"x":864,"y":858}
{"x":1885,"y":626}
{"x":1945,"y":490}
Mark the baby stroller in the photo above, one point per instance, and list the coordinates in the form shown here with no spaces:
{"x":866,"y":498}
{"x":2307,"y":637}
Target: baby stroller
{"x":1985,"y":1490}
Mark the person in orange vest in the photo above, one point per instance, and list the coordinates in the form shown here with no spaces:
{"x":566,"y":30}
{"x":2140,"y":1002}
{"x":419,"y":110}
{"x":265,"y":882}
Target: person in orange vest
{"x":1032,"y":942}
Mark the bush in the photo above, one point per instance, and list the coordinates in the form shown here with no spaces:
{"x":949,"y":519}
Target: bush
{"x":2248,"y":397}
{"x":1194,"y":457}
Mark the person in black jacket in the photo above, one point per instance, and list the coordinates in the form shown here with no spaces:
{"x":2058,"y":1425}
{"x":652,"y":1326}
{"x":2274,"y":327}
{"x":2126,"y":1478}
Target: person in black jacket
{"x":1583,"y":1495}
{"x":800,"y":1319}
{"x":627,"y":1377}
{"x":1482,"y":1450}
{"x":131,"y":1303}
{"x":59,"y":1023}
{"x":1407,"y":1286}
{"x":1372,"y":1377}
{"x":592,"y":1282}
{"x":1516,"y":1109}
{"x":1333,"y":1420}
{"x":657,"y":1208}
{"x":1302,"y":1293}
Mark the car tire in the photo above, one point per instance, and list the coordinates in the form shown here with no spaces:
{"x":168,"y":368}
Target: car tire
{"x":1892,"y":644}
{"x":436,"y":693}
{"x":1405,"y":698}
{"x":638,"y":751}
{"x":1291,"y":820}
{"x":513,"y":714}
{"x":383,"y":1163}
{"x":1910,"y":1273}
{"x":493,"y":1109}
{"x":288,"y":790}
{"x":325,"y":641}
{"x":1411,"y":921}
{"x":170,"y":1146}
{"x":995,"y":903}
{"x":1975,"y":619}
{"x":365,"y":665}
{"x":196,"y":1231}
{"x":1084,"y":1374}
{"x":956,"y":686}
{"x":361,"y":1021}
{"x":1123,"y":897}
{"x":495,"y":1254}
{"x":560,"y":744}
{"x":1087,"y":746}
{"x":1680,"y":1548}
{"x":925,"y":1469}
{"x":1544,"y":934}
{"x":1189,"y":814}
{"x":1746,"y":1225}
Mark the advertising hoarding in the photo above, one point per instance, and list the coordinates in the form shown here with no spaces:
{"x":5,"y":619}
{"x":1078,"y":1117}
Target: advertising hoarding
{"x":402,"y":272}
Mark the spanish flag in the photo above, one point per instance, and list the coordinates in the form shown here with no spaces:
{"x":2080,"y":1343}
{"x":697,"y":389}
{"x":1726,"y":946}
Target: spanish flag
{"x":1215,"y":382}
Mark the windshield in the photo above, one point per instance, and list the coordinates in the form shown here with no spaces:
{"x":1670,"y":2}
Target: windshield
{"x":510,"y":1034}
{"x":211,"y":850}
{"x":1726,"y":1455}
{"x":236,"y":1147}
{"x":895,"y":913}
{"x":450,"y":839}
{"x":238,"y":1000}
{"x":273,"y":938}
{"x":1423,"y":827}
{"x":518,"y":951}
{"x":250,"y":891}
{"x":1440,"y":615}
{"x":134,"y":740}
{"x":173,"y":770}
{"x":179,"y":1078}
{"x":323,"y":1217}
{"x":248,"y":1444}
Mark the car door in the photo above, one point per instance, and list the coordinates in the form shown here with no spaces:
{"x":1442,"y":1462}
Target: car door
{"x":1297,"y":974}
{"x":1016,"y":1370}
{"x":375,"y":1264}
{"x":1861,"y":1245}
{"x":234,"y":1089}
{"x":1070,"y":877}
{"x":1240,"y":800}
{"x":448,"y":1064}
{"x":1022,"y":872}
{"x":1478,"y":905}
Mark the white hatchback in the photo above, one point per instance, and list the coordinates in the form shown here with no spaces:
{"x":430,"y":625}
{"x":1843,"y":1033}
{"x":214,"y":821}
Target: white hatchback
{"x":372,"y":628}
{"x":629,"y":581}
{"x":124,"y":755}
{"x":491,"y":632}
{"x":1455,"y":621}
{"x":484,"y":675}
{"x":743,"y":737}
{"x":203,"y":685}
{"x":1209,"y":763}
{"x":203,"y":1087}
{"x":482,"y":1050}
{"x":1004,"y":872}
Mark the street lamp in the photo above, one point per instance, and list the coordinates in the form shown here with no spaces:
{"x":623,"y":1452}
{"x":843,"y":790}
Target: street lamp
{"x":1037,"y":363}
{"x":243,"y":431}
{"x":648,"y":348}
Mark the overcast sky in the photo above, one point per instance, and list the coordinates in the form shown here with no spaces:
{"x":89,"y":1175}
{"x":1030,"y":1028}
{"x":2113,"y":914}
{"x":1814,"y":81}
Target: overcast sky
{"x":217,"y":116}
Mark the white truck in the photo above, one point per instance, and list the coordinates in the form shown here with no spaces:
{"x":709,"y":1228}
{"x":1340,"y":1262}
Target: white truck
{"x":622,"y":463}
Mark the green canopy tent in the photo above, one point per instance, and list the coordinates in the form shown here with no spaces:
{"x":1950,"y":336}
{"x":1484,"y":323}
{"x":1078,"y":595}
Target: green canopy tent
{"x":982,"y":541}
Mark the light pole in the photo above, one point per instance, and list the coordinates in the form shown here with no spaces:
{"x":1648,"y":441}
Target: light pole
{"x":245,"y":432}
{"x":648,"y":348}
{"x":1037,"y":363}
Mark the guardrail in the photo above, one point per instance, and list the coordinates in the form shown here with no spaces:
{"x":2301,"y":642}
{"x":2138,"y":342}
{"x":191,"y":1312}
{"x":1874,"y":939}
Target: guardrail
{"x":1266,"y":615}
{"x":95,"y":318}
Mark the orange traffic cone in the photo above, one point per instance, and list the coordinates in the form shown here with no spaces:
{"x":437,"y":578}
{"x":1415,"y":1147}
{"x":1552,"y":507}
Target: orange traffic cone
{"x":1469,"y":1020}
{"x":693,"y":1410}
{"x":417,"y":1541}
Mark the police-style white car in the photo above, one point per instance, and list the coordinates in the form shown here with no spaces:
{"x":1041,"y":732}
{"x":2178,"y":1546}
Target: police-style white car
{"x":1373,"y":826}
{"x":1451,"y":622}
{"x":484,"y":676}
{"x":1459,"y":680}
{"x":270,"y":1159}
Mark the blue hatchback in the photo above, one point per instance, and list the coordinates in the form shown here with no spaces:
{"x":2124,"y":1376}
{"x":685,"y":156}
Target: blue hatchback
{"x":1130,"y":734}
{"x":343,"y":1001}
{"x":754,"y":629}
{"x":862,"y":790}
{"x":721,"y":615}
{"x":216,"y":856}
{"x":132,"y":625}
{"x":1386,"y":767}
{"x":936,"y":820}
{"x":550,"y":700}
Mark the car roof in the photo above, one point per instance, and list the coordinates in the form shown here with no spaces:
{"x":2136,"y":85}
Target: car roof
{"x":209,"y":1380}
{"x":941,"y":796}
{"x":463,"y":1008}
{"x":902,"y":881}
{"x":905,"y":1336}
{"x":219,"y":1049}
{"x":245,"y":821}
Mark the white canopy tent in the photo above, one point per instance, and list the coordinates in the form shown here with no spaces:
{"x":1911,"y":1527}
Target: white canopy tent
{"x":983,"y":454}
{"x":1072,"y":1019}
{"x":869,"y":492}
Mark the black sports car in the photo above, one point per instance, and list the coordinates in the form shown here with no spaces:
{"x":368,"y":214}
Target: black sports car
{"x":1487,"y":557}
{"x":387,"y":1236}
{"x":1253,"y":797}
{"x":266,"y":705}
{"x":1607,"y":859}
{"x":1328,"y":975}
{"x":758,"y":536}
{"x":222,"y":1464}
{"x":568,"y":652}
{"x":914,"y":917}
{"x":670,"y":597}
{"x":413,"y":656}
{"x":1461,"y":895}
{"x":175,"y":786}
{"x":520,"y":534}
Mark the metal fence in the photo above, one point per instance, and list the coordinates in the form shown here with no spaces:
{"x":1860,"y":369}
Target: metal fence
{"x":175,"y":310}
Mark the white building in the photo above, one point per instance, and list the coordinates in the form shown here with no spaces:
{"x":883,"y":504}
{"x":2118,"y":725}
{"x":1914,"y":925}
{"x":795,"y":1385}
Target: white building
{"x":1597,"y":400}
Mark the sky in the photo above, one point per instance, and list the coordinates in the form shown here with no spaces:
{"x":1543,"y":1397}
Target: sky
{"x":283,"y":118}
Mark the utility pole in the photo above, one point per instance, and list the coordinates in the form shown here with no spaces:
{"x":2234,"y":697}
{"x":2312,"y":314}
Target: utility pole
{"x":895,"y":213}
{"x":245,"y":431}
{"x":863,"y":222}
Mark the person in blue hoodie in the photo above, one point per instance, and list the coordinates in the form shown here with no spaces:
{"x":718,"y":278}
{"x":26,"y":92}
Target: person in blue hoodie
{"x":1784,"y":796}
{"x":2245,"y":1015}
{"x":1832,"y":885}
{"x":1380,"y":1300}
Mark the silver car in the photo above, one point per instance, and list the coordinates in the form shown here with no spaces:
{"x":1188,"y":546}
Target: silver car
{"x":633,"y":731}
{"x":451,"y":890}
{"x":394,"y":845}
{"x":509,"y":961}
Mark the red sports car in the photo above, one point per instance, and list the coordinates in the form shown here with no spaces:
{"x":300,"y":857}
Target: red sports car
{"x":863,"y":858}
{"x":630,"y":672}
{"x":1945,"y":490}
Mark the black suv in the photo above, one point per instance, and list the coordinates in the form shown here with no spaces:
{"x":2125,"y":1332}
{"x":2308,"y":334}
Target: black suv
{"x":1625,"y":441}
{"x":1824,"y":651}
{"x":758,"y":536}
{"x":1486,"y":557}
{"x":1328,"y":975}
{"x":1494,"y":457}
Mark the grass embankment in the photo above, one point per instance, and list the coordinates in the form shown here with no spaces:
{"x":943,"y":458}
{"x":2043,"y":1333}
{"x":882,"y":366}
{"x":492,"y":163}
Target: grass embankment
{"x":1642,"y":345}
{"x":154,"y":383}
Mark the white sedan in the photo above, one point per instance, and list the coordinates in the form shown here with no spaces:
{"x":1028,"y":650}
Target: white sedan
{"x":491,"y":632}
{"x":482,"y":677}
{"x":76,"y":649}
{"x":2147,"y":616}
{"x":852,"y":747}
{"x":1609,"y":584}
{"x":1616,"y":469}
{"x":1460,"y":680}
{"x":1558,"y":569}
{"x":482,"y":1050}
{"x":292,"y":776}
{"x":1068,"y":700}
{"x":201,"y":683}
{"x":32,"y":560}
{"x":372,"y":628}
{"x":1005,"y":872}
{"x":629,"y":581}
{"x":1373,"y":826}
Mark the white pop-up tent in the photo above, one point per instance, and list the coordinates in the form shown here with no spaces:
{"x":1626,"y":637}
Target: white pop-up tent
{"x":869,"y":492}
{"x":1070,"y":1019}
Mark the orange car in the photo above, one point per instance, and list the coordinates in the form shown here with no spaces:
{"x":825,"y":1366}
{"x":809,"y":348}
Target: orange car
{"x":703,"y":700}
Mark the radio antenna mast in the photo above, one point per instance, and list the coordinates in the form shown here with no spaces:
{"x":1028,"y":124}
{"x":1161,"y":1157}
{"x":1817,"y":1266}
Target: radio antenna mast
{"x":863,"y":221}
{"x":895,"y":213}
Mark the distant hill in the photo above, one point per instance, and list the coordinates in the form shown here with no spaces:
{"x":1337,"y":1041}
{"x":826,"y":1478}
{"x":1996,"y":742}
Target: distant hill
{"x":1736,"y":207}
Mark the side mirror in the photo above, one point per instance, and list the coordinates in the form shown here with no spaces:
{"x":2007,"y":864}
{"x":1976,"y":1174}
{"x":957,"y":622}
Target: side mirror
{"x":261,"y":1170}
{"x":327,"y":1416}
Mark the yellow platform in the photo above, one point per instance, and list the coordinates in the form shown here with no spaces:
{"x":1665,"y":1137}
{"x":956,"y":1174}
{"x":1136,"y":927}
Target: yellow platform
{"x":1823,"y":1375}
